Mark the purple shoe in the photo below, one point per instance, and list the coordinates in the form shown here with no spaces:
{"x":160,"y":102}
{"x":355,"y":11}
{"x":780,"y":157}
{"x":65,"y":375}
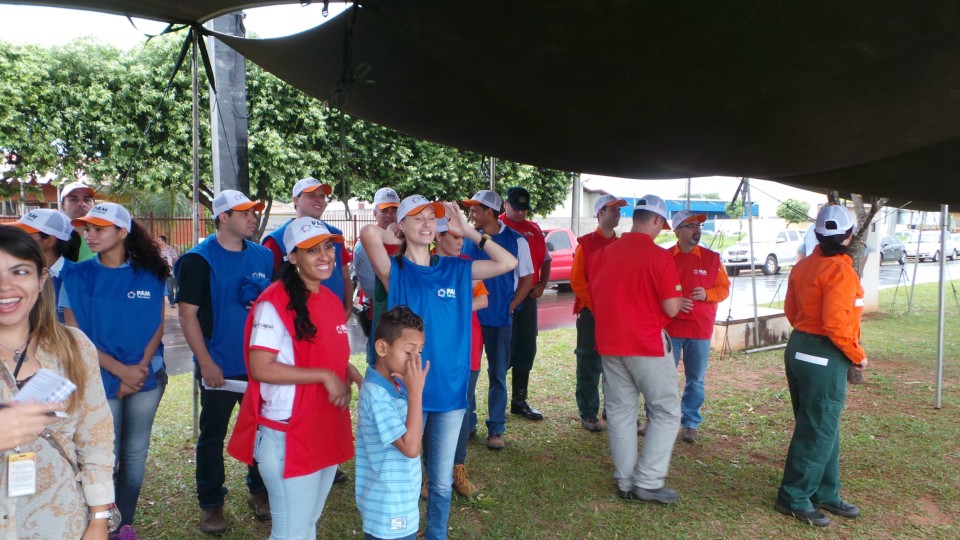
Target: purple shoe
{"x":127,"y":532}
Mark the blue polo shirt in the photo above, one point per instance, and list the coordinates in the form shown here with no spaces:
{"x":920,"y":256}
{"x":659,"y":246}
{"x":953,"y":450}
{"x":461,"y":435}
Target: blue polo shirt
{"x":388,"y":482}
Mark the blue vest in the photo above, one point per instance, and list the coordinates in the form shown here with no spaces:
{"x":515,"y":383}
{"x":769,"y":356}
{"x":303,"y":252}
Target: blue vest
{"x":502,"y":287}
{"x":441,"y":294}
{"x":119,"y":309}
{"x":57,"y":281}
{"x":231,"y":272}
{"x":335,"y":281}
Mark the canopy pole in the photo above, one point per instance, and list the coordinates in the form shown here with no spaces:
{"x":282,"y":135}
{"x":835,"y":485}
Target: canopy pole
{"x":688,"y":193}
{"x":576,"y":211}
{"x":196,"y":193}
{"x":493,"y":173}
{"x":753,"y":265}
{"x":944,"y":215}
{"x":913,"y":282}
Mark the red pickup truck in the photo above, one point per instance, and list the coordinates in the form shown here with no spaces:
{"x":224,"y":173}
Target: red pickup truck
{"x":561,"y":243}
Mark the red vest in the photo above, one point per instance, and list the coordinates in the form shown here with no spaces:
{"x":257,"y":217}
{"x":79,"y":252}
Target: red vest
{"x":534,"y":235}
{"x":696,"y":271}
{"x":319,"y":434}
{"x":589,"y":243}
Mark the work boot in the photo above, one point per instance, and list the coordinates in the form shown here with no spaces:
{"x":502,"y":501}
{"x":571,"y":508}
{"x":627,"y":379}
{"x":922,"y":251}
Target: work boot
{"x":212,"y":521}
{"x":462,"y":483}
{"x":260,"y":504}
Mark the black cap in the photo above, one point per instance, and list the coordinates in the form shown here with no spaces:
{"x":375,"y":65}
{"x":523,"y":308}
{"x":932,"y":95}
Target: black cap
{"x":519,"y":198}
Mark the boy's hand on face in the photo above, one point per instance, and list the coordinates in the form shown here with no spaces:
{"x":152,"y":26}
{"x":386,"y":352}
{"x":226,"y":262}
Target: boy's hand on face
{"x":414,"y":376}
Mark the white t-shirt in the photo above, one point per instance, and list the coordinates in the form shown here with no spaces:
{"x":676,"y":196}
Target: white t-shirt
{"x":269,"y":333}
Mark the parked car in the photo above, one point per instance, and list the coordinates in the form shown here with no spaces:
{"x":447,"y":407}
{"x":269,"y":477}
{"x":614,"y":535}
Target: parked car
{"x":561,"y":243}
{"x":892,"y":249}
{"x":923,"y":245}
{"x":772,"y":251}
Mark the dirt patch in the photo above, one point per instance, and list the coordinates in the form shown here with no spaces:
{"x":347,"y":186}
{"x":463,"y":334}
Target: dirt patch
{"x":930,"y":514}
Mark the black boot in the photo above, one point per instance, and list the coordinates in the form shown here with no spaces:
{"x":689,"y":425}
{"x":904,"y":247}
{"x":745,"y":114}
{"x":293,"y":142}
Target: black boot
{"x":519,"y":405}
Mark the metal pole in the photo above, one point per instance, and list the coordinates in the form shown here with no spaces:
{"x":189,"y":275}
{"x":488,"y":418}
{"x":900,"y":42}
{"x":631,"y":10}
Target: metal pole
{"x":913,"y":283}
{"x":196,"y":196}
{"x":576,"y":203}
{"x":753,"y":266}
{"x":944,"y":215}
{"x":493,"y":173}
{"x":688,"y":193}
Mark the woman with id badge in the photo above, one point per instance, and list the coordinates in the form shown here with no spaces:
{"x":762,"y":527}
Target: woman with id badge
{"x":58,"y":483}
{"x":824,"y":303}
{"x":117,"y":299}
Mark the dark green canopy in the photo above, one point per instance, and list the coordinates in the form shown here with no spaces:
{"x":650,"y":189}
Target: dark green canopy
{"x":859,"y":96}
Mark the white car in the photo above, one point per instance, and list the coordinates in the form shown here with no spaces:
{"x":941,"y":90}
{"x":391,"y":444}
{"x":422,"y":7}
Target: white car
{"x":928,"y":246}
{"x":772,"y":251}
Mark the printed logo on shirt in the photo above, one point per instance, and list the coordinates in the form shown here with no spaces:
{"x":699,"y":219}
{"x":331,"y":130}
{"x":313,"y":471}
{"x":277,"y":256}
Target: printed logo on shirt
{"x":398,"y":523}
{"x":699,"y":272}
{"x":446,"y":293}
{"x":341,"y":329}
{"x":138,"y":295}
{"x":679,"y":288}
{"x":258,"y":275}
{"x":265,"y":326}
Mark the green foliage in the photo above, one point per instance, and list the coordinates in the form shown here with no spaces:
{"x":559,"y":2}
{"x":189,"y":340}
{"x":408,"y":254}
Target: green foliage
{"x":734,"y":209}
{"x":794,"y":211}
{"x":83,"y":110}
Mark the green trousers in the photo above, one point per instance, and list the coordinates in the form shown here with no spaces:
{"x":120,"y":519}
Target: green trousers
{"x":817,"y":377}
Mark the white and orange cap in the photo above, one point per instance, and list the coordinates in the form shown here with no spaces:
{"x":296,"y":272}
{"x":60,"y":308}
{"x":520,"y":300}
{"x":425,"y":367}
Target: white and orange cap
{"x":75,"y":186}
{"x":686,"y":216}
{"x":230,"y":199}
{"x":834,"y":220}
{"x":106,"y":214}
{"x":652,"y":203}
{"x":607,"y":200}
{"x":386,"y":198}
{"x":488,"y":198}
{"x":46,"y":221}
{"x":415,"y":204}
{"x":309,"y":185}
{"x":306,"y":232}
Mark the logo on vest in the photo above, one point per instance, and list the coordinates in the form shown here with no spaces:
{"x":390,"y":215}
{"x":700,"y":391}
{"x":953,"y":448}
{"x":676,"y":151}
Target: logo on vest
{"x":341,"y":329}
{"x":258,"y":275}
{"x":138,"y":295}
{"x":446,"y":293}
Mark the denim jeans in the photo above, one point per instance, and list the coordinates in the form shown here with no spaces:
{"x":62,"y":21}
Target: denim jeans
{"x":696,"y":352}
{"x":496,"y":341}
{"x":295,"y":503}
{"x":216,"y":408}
{"x":469,"y":420}
{"x":624,"y":379}
{"x":372,"y":537}
{"x":442,"y":433}
{"x":132,"y":424}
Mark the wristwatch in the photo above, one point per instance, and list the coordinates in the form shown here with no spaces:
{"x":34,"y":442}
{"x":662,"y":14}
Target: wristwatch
{"x":483,"y":240}
{"x":112,"y":515}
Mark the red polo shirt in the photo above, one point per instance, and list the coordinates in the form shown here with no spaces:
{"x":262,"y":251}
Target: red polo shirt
{"x":629,"y":280}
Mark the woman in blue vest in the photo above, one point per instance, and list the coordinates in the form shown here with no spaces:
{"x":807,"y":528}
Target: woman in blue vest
{"x":117,"y":300}
{"x":294,"y":419}
{"x":439,"y":289}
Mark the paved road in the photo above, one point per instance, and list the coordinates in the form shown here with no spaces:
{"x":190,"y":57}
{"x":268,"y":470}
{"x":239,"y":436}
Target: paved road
{"x":556,"y":308}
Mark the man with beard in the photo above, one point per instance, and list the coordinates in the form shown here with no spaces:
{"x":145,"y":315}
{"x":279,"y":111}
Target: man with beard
{"x":705,"y":284}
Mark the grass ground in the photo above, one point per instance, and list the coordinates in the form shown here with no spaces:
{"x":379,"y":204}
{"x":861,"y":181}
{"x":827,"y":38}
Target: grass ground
{"x":900,"y":459}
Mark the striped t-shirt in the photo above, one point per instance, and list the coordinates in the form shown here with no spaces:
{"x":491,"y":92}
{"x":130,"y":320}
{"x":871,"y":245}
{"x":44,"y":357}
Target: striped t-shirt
{"x":388,"y":482}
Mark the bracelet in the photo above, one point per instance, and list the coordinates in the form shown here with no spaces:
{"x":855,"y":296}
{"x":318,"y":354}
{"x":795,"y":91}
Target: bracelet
{"x":483,"y":240}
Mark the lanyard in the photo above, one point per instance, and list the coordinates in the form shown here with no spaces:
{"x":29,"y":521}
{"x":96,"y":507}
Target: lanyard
{"x":20,"y":359}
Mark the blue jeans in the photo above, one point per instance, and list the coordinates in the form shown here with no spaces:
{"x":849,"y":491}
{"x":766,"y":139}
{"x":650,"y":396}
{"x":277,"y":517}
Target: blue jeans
{"x":132,"y":424}
{"x":295,"y":503}
{"x":367,"y":536}
{"x":440,"y":442}
{"x":496,"y":342}
{"x":469,"y":420}
{"x":696,"y":352}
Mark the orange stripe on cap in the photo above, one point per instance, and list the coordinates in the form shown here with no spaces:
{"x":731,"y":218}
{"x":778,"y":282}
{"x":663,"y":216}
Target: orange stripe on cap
{"x":319,"y":239}
{"x":438,"y":209}
{"x":327,"y":189}
{"x":99,"y":222}
{"x":25,"y":228}
{"x":255,"y":205}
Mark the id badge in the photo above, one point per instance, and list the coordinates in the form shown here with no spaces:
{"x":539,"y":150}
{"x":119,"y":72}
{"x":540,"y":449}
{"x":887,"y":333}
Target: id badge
{"x":21,"y":474}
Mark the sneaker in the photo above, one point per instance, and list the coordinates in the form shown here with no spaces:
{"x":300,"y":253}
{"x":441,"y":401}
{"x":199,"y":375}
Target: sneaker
{"x":462,"y":483}
{"x":842,"y":509}
{"x":689,"y":435}
{"x":212,"y":521}
{"x":591,"y":424}
{"x":260,"y":504}
{"x":340,"y":477}
{"x":662,"y":495}
{"x":811,"y":517}
{"x":127,"y":532}
{"x":495,"y":442}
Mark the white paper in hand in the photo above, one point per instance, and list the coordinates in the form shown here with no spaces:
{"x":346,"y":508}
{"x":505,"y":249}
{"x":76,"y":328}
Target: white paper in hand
{"x":45,"y":386}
